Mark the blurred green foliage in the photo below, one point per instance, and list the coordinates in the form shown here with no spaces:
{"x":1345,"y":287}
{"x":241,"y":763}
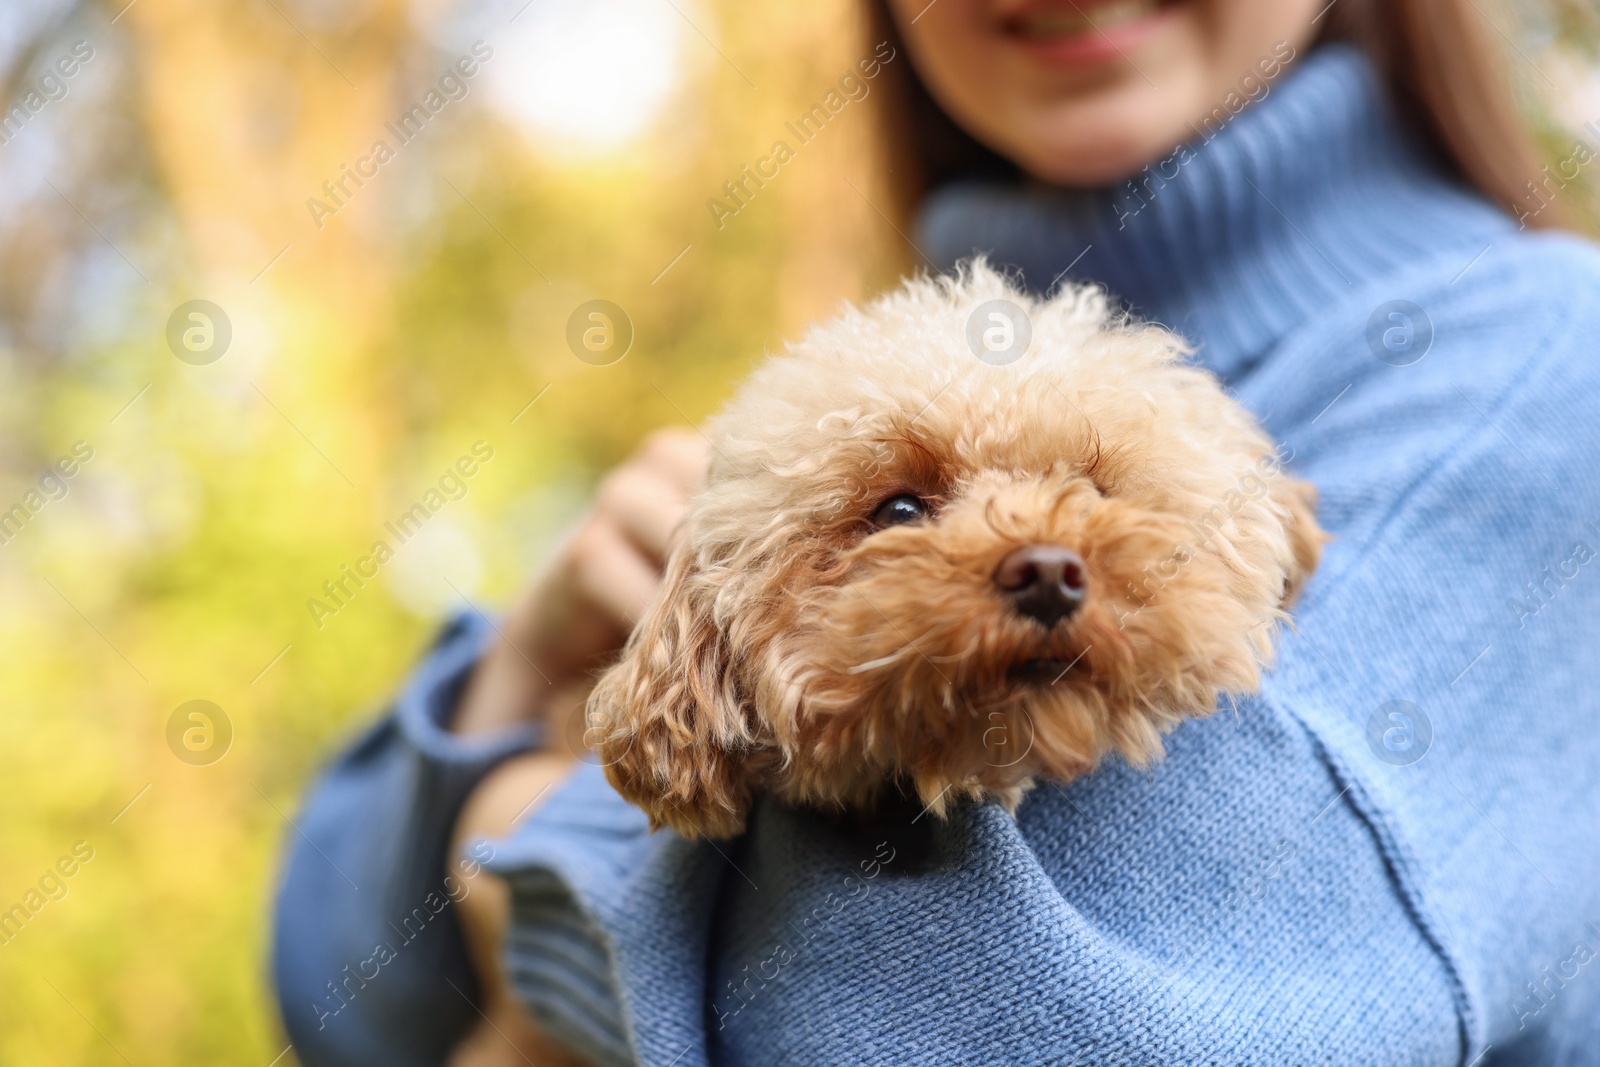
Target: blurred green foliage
{"x":365,"y":360}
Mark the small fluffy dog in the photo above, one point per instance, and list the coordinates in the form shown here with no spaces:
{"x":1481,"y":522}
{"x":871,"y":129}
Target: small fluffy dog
{"x":913,"y":566}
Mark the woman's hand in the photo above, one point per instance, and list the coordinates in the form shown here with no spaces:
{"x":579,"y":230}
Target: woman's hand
{"x":578,"y":611}
{"x":505,"y":1036}
{"x":582,"y":606}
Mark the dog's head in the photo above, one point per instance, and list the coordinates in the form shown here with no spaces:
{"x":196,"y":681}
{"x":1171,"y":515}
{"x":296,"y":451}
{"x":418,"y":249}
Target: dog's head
{"x":910,"y":563}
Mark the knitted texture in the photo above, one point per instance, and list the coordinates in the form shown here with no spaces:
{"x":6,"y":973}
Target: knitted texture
{"x":366,"y":868}
{"x":1275,"y":892}
{"x":1390,"y":856}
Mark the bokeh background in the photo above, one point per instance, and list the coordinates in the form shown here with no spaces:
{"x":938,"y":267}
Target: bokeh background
{"x":371,"y":346}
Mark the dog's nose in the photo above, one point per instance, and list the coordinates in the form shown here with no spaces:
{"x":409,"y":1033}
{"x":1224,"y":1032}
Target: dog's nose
{"x":1044,"y":582}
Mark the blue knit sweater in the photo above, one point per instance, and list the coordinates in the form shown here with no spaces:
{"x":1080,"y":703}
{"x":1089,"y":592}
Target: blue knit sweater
{"x":1390,"y":856}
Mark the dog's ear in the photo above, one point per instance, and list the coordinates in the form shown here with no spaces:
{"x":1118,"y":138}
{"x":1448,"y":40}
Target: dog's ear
{"x":671,"y":726}
{"x":1299,"y":499}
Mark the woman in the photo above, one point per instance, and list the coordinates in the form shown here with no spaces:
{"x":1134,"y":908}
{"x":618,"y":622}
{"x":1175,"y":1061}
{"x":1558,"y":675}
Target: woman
{"x":1391,"y":856}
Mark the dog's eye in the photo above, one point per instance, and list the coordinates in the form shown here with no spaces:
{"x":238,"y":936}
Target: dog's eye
{"x":899,"y":510}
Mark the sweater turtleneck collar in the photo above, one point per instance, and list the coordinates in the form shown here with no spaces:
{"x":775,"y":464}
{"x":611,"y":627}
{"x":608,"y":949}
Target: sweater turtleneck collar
{"x":1300,"y":200}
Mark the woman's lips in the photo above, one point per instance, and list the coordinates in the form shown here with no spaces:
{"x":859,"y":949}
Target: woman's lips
{"x":1084,"y":31}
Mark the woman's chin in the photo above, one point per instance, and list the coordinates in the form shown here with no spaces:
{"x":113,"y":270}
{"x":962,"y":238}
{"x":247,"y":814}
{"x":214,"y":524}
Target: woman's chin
{"x":1104,"y":137}
{"x":1088,"y":161}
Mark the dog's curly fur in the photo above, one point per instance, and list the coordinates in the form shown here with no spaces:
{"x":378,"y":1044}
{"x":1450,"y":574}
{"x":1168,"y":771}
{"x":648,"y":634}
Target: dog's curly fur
{"x":796,"y":648}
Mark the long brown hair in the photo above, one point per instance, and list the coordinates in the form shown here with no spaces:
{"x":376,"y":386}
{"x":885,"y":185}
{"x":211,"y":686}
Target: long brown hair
{"x":1445,"y":73}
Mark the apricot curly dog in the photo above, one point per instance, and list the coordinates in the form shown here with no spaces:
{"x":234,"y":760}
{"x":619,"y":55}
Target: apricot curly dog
{"x":911,"y":566}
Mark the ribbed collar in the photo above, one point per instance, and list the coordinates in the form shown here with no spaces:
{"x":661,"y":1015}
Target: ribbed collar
{"x":1301,"y":199}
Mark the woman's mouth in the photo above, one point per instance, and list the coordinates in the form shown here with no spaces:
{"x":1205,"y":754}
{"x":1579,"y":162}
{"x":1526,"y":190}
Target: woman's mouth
{"x":1083,"y":31}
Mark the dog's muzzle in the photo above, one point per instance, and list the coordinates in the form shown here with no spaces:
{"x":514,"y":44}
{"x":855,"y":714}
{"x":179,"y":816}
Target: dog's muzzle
{"x":1044,"y":582}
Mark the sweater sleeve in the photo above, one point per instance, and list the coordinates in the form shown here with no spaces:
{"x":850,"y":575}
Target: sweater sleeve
{"x":368,"y":961}
{"x":1390,"y":855}
{"x":1445,"y":657}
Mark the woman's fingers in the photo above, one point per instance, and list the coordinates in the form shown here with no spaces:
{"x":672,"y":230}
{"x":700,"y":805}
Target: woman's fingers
{"x":612,"y":573}
{"x":648,"y":495}
{"x":679,"y":455}
{"x":596,"y":587}
{"x":645,"y":504}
